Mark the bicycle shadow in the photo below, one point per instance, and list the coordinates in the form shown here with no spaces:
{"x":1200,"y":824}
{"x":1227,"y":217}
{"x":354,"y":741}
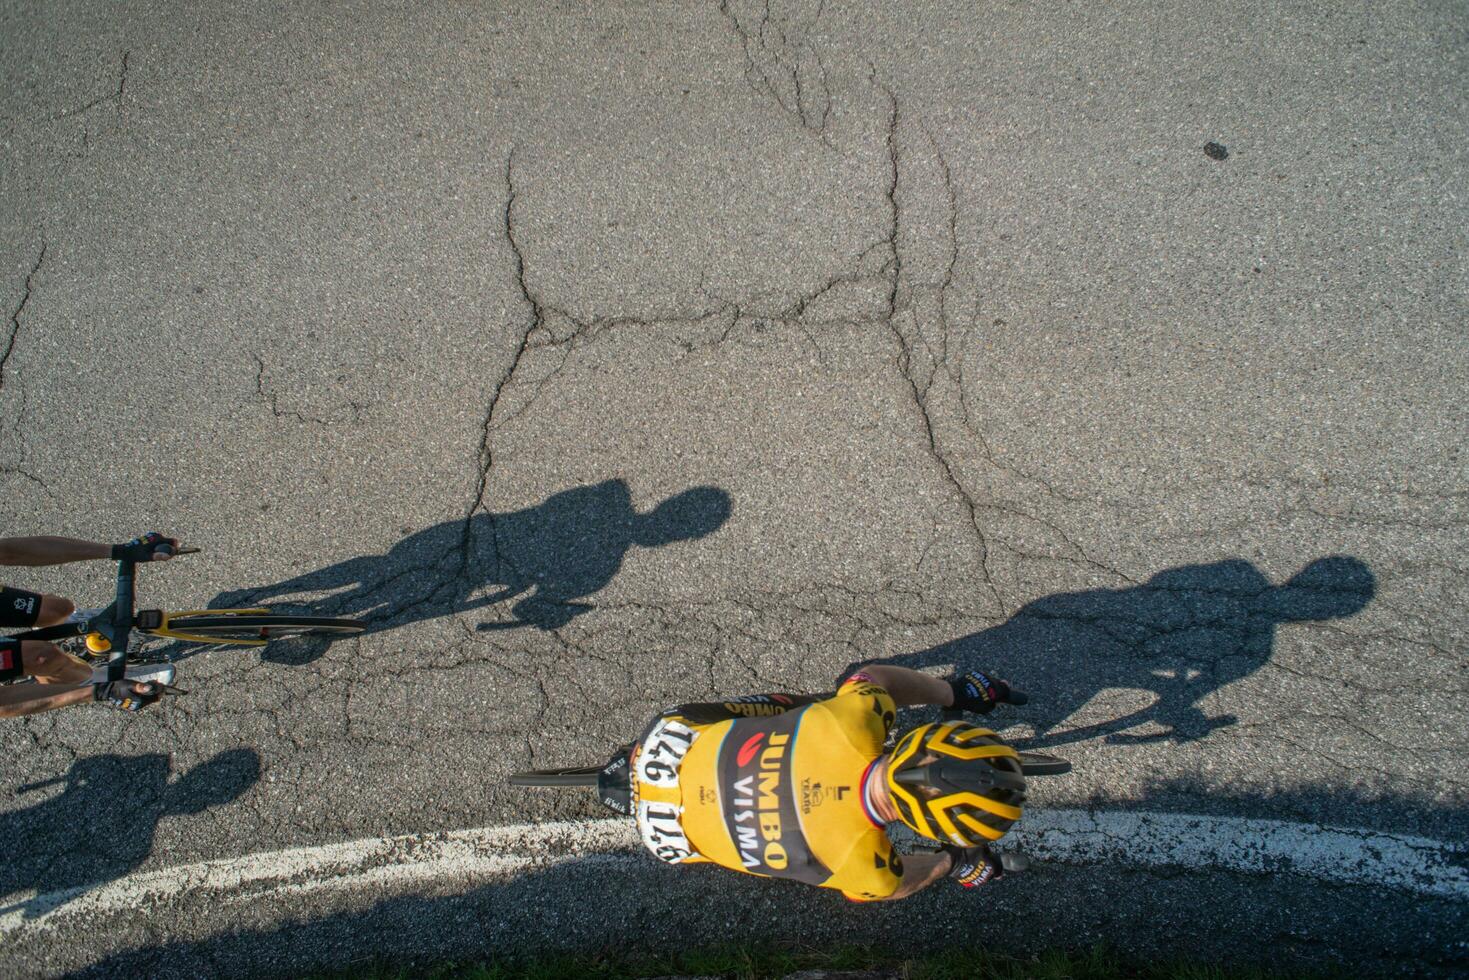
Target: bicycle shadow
{"x":546,"y":558}
{"x":101,"y":826}
{"x":1183,"y":634}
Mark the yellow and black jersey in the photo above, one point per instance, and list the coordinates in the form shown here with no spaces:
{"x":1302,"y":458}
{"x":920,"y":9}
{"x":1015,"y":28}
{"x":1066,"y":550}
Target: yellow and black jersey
{"x":778,"y":791}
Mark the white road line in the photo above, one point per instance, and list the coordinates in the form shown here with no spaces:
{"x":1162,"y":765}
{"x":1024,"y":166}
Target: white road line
{"x":1415,"y":864}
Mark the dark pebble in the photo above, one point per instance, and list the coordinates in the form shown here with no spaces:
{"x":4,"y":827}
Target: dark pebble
{"x":1215,"y":151}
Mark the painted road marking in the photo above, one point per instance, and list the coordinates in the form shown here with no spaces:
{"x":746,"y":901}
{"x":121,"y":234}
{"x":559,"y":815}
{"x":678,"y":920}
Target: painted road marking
{"x":1414,"y":864}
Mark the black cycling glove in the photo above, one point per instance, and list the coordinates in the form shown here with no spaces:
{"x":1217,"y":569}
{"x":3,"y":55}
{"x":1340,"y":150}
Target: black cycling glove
{"x":120,"y":694}
{"x":975,"y":866}
{"x":145,"y":548}
{"x":980,"y":693}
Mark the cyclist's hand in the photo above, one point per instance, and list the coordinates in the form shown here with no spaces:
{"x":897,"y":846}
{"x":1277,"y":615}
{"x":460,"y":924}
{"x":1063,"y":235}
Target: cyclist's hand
{"x":149,"y":547}
{"x":980,"y":693}
{"x":976,"y":866}
{"x":127,"y":695}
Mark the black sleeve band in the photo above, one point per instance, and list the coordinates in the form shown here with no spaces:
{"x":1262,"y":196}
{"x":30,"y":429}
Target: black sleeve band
{"x":19,"y":608}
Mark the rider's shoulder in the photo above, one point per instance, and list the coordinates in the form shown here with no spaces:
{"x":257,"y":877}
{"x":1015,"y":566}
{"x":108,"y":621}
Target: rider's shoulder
{"x":863,"y":706}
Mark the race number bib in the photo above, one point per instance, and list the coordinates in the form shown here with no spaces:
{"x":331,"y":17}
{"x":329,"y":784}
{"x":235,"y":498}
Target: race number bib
{"x":663,"y":751}
{"x":658,"y":761}
{"x":663,"y":833}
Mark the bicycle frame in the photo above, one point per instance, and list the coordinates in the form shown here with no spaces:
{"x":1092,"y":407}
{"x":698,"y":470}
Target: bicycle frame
{"x":166,"y":628}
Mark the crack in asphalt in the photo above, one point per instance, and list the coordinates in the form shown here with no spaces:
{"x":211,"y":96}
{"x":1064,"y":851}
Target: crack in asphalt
{"x":25,"y":299}
{"x":113,"y":96}
{"x":541,"y":333}
{"x":12,"y":338}
{"x":485,"y":453}
{"x":779,"y":61}
{"x":122,"y":80}
{"x":271,"y":400}
{"x":25,"y":474}
{"x":917,"y":391}
{"x":955,"y":369}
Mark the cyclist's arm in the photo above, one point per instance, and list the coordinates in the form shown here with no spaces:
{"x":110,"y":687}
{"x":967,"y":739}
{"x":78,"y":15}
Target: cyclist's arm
{"x":30,"y":699}
{"x":909,"y":687}
{"x":50,"y":550}
{"x":920,"y":871}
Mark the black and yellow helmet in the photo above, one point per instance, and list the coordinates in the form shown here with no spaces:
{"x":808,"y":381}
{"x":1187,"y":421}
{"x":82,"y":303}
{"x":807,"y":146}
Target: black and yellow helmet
{"x":956,"y":783}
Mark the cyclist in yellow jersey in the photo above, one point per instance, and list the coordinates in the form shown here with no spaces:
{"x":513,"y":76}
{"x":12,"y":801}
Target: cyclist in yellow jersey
{"x":800,"y":786}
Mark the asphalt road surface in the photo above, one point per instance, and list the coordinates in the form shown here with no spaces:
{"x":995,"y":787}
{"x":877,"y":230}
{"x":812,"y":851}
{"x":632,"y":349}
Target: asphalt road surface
{"x":608,"y":356}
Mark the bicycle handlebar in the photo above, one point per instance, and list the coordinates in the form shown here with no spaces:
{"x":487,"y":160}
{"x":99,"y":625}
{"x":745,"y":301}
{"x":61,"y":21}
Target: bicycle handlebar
{"x":117,"y":620}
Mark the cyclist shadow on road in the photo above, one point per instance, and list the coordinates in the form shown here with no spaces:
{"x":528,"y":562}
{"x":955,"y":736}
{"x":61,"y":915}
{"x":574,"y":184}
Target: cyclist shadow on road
{"x":101,"y":825}
{"x":1183,"y":634}
{"x":545,"y":558}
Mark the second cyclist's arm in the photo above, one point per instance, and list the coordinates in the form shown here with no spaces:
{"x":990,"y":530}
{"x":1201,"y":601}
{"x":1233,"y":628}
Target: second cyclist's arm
{"x":909,"y":687}
{"x":50,"y":550}
{"x":920,"y":871}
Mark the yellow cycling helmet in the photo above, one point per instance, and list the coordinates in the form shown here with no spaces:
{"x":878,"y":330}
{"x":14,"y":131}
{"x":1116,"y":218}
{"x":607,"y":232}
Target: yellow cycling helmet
{"x":956,"y":783}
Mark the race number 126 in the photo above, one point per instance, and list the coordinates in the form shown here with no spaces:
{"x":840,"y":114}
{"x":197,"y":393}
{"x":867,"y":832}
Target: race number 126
{"x":663,"y":751}
{"x":663,"y":833}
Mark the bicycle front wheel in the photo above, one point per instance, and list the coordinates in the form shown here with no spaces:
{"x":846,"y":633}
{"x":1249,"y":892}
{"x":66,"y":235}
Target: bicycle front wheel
{"x":263,"y":626}
{"x":582,"y":776}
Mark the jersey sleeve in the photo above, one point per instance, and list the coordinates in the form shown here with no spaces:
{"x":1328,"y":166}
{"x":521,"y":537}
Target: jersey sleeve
{"x":871,"y":871}
{"x":865,"y":711}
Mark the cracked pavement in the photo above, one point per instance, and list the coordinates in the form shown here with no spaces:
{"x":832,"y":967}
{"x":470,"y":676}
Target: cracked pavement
{"x":429,"y":311}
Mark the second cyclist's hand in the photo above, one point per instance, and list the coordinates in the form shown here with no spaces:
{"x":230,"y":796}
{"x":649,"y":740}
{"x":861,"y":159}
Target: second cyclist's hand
{"x":147,"y":547}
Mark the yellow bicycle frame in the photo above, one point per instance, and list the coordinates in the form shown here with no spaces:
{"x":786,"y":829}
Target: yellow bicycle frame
{"x":167,"y":630}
